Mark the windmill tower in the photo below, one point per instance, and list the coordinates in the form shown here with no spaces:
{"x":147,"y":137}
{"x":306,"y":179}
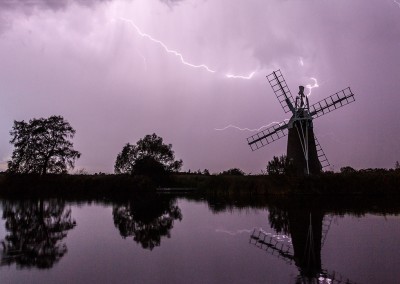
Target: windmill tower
{"x":303,"y":148}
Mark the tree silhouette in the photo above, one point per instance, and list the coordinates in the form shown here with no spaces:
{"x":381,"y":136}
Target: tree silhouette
{"x":42,"y":146}
{"x":347,"y":170}
{"x":280,"y":166}
{"x":233,"y":172}
{"x":147,"y":220}
{"x":149,"y":156}
{"x":34,"y":233}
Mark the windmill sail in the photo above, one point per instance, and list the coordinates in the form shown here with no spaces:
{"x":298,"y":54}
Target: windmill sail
{"x":268,"y":135}
{"x":331,"y":103}
{"x":302,"y":146}
{"x":321,"y":154}
{"x":281,"y":90}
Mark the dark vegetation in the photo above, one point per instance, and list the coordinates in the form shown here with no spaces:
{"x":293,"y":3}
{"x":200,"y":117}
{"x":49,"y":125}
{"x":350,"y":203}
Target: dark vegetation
{"x":280,"y":166}
{"x":373,"y":182}
{"x":43,"y":153}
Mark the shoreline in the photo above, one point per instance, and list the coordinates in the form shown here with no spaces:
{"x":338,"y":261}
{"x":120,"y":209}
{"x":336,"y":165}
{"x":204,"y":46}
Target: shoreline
{"x":367,"y":183}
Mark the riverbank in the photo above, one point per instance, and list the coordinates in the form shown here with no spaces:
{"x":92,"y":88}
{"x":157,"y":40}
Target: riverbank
{"x":384,"y":183}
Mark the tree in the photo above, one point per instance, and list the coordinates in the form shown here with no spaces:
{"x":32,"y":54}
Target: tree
{"x":347,"y":170}
{"x":233,"y":172}
{"x":42,"y":146}
{"x":397,"y":165}
{"x":149,"y":156}
{"x":280,"y":166}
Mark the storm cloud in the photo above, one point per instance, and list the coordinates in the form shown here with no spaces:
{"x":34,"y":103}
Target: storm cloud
{"x":118,"y":70}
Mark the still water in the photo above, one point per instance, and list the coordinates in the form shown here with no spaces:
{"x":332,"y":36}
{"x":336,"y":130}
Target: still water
{"x":182,"y":240}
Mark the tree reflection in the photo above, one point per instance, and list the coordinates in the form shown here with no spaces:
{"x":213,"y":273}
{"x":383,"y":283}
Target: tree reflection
{"x":35,"y":230}
{"x":147,"y":219}
{"x":279,"y":220}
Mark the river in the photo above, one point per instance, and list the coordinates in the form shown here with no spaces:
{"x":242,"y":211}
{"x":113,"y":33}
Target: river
{"x":167,"y":239}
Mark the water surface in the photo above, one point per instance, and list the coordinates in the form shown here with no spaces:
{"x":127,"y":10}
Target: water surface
{"x":179,"y":240}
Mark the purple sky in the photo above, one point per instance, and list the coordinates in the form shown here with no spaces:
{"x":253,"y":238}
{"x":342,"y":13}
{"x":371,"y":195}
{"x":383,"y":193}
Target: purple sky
{"x":116,"y":82}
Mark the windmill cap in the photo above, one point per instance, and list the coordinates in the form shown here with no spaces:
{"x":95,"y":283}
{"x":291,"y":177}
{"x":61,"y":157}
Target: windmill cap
{"x":301,"y":89}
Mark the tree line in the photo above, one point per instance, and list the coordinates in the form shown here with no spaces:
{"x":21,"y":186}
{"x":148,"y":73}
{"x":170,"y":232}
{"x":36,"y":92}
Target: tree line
{"x":43,"y":146}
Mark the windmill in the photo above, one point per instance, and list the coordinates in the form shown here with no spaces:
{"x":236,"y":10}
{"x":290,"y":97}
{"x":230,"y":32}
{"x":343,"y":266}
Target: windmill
{"x":303,"y":148}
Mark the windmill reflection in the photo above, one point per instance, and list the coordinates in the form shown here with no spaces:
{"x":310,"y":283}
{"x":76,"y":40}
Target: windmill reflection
{"x":307,"y":228}
{"x":147,"y":219}
{"x":35,"y":230}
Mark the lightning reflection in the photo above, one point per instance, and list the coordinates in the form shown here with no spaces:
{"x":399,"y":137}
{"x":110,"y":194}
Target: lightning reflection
{"x":233,"y":233}
{"x":279,"y":237}
{"x":179,"y":55}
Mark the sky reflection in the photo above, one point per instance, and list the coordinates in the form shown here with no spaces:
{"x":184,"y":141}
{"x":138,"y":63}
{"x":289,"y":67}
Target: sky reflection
{"x":205,"y":246}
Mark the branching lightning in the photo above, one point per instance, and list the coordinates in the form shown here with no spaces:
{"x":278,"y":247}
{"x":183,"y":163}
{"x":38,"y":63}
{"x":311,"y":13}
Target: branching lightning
{"x":315,"y":85}
{"x":248,"y":129}
{"x":179,"y":55}
{"x":398,"y":3}
{"x":166,"y":48}
{"x":310,"y":87}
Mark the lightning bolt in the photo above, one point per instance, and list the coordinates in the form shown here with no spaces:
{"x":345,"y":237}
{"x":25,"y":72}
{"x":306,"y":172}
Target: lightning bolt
{"x":179,"y":55}
{"x":398,"y":3}
{"x":301,"y":62}
{"x":241,"y":77}
{"x":248,"y":129}
{"x":166,"y":48}
{"x":309,"y":86}
{"x":315,"y":85}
